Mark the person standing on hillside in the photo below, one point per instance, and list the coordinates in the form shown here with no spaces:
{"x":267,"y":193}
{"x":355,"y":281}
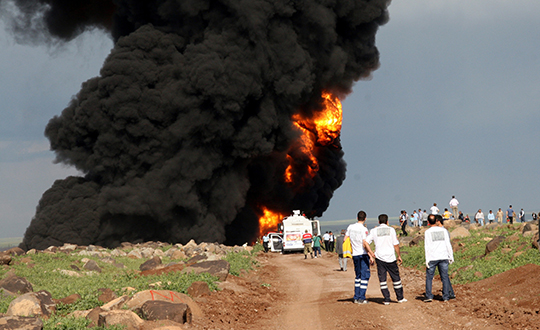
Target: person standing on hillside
{"x":339,"y":250}
{"x":386,"y":248}
{"x":522,"y":215}
{"x":479,"y":217}
{"x":362,"y":257}
{"x":434,"y":209}
{"x":439,"y":254}
{"x":403,"y":222}
{"x":307,"y":238}
{"x":500,"y":216}
{"x":491,"y":216}
{"x":510,"y":215}
{"x":454,"y":206}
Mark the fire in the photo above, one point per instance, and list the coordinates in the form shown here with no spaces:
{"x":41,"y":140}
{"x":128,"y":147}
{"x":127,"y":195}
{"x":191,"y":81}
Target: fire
{"x":322,"y":129}
{"x":269,"y":221}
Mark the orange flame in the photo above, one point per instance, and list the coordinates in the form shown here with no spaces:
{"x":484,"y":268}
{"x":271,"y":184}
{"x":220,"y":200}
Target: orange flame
{"x":269,"y":221}
{"x":321,"y":129}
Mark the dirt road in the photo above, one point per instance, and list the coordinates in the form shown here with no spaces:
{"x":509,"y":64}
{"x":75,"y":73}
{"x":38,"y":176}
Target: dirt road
{"x":288,"y":292}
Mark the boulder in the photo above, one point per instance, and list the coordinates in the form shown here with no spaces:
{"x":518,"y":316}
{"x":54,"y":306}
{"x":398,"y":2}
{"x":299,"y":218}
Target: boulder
{"x":451,"y":223}
{"x":106,"y":295}
{"x":136,"y":302}
{"x":150,"y":264}
{"x":198,"y":289}
{"x":92,"y":265}
{"x":514,"y":237}
{"x":218,"y":268}
{"x":164,"y":310}
{"x":135,"y":254}
{"x":117,"y":303}
{"x":32,"y":304}
{"x":178,"y":254}
{"x":16,"y":284}
{"x":15,"y":251}
{"x":405,"y":240}
{"x":128,"y":319}
{"x":459,"y":232}
{"x":529,"y":227}
{"x":492,"y":225}
{"x":93,"y":316}
{"x":5,"y":259}
{"x":20,"y":323}
{"x":68,"y":300}
{"x":535,"y":241}
{"x":417,"y":240}
{"x":494,"y":244}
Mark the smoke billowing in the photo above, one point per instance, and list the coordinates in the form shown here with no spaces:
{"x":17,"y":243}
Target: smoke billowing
{"x":186,"y":131}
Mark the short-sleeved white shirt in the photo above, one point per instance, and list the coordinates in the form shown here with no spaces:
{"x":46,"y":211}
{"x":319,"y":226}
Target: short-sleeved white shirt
{"x":434,"y":210}
{"x":358,"y":233}
{"x":385,"y":238}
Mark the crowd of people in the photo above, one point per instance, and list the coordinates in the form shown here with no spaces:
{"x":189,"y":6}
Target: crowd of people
{"x":420,"y":218}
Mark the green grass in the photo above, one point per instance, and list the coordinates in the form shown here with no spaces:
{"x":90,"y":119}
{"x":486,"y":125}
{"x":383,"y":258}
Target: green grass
{"x":471,"y":254}
{"x":43,"y":271}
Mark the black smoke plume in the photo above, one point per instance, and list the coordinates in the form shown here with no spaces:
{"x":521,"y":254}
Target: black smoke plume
{"x":186,"y":131}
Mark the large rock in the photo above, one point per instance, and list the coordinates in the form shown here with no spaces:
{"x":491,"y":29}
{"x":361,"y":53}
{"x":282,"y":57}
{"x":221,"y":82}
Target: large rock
{"x":32,"y":304}
{"x":219,"y":268}
{"x":73,"y":298}
{"x":140,"y":298}
{"x":417,"y":240}
{"x":20,"y":323}
{"x":128,"y":319}
{"x":92,"y":265}
{"x":451,"y":223}
{"x":535,"y":241}
{"x":405,"y":240}
{"x":5,"y":259}
{"x":529,"y":227}
{"x":164,"y":310}
{"x":117,"y":303}
{"x":198,"y":289}
{"x":106,"y":295}
{"x":150,"y":264}
{"x":16,"y":284}
{"x":459,"y":232}
{"x":15,"y":251}
{"x":494,"y":244}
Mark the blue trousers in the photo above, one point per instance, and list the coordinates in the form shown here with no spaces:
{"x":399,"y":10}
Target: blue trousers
{"x":447,"y":289}
{"x":361,"y":269}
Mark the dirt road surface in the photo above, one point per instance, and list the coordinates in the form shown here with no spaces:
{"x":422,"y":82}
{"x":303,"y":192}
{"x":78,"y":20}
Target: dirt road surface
{"x":290,"y":292}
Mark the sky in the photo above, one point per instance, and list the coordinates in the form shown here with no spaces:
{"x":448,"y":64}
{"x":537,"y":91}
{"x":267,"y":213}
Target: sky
{"x":452,"y":110}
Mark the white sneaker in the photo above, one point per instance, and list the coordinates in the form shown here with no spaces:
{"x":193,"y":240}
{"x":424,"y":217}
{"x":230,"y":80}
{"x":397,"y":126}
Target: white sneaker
{"x":402,"y":300}
{"x":387,"y":303}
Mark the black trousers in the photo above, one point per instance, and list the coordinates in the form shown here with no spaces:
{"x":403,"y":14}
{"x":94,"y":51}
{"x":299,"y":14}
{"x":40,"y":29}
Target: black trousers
{"x":392,"y":269}
{"x":403,"y":226}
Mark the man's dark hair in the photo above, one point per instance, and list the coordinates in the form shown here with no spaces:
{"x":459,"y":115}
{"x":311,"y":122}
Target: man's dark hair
{"x":439,"y":218}
{"x":361,"y":216}
{"x":432,"y":219}
{"x":383,"y":218}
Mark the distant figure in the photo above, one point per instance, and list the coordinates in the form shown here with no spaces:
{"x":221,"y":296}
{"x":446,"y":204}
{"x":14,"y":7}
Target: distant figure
{"x":522,"y":215}
{"x":317,"y":241}
{"x":534,"y":217}
{"x":479,"y":217}
{"x":307,"y":238}
{"x":420,"y":217}
{"x":446,"y":214}
{"x":467,"y":219}
{"x":454,"y":206}
{"x":415,"y":219}
{"x":424,"y":218}
{"x":510,"y":215}
{"x":386,"y":248}
{"x":266,"y":240}
{"x":460,"y":216}
{"x":362,"y":257}
{"x":491,"y":216}
{"x":439,"y":254}
{"x":434,"y":209}
{"x":403,"y":222}
{"x":339,"y":251}
{"x":500,"y":216}
{"x":331,"y":239}
{"x":326,"y":238}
